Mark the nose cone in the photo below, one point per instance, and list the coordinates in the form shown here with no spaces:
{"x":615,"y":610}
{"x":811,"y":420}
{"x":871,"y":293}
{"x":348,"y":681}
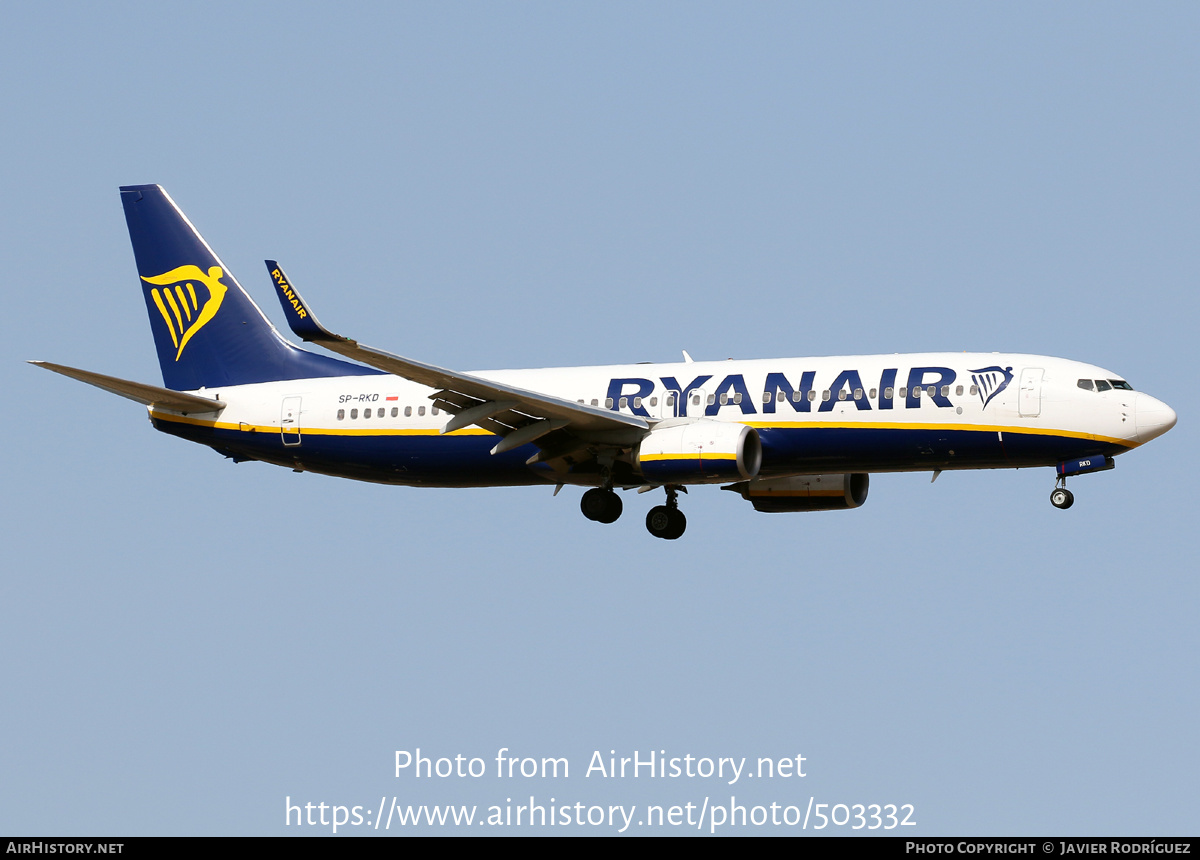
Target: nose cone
{"x":1152,"y":417}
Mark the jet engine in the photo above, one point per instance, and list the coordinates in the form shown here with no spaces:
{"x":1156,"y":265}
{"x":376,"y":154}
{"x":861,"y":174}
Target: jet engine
{"x":804,"y":492}
{"x":698,"y":452}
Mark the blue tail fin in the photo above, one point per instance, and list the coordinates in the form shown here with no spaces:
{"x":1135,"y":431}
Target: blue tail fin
{"x":208,"y":332}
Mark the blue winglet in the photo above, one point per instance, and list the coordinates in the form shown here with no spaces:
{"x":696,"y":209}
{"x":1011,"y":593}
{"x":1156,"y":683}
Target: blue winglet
{"x":301,"y":320}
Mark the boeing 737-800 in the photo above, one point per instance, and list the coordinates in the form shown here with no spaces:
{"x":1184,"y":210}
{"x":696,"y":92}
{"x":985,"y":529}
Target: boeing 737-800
{"x":795,"y":434}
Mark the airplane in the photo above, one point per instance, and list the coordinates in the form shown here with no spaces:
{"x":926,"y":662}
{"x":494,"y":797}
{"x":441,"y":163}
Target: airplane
{"x":787,"y":435}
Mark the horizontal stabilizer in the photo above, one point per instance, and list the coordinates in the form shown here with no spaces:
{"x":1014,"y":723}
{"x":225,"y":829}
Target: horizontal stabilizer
{"x":148,"y":395}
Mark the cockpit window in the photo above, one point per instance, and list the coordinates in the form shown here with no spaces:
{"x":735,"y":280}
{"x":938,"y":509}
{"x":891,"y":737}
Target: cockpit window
{"x":1104,"y":384}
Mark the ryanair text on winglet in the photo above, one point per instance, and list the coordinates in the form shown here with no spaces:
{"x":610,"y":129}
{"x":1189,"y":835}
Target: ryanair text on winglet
{"x":287,"y":290}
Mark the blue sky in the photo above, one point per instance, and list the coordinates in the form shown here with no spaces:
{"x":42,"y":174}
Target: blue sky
{"x":189,"y":642}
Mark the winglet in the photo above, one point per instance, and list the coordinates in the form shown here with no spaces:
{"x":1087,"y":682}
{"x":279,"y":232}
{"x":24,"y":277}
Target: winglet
{"x":299,"y":317}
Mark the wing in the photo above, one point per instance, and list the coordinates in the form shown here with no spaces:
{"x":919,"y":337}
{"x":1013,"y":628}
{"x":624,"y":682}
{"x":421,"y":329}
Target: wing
{"x":559,"y":427}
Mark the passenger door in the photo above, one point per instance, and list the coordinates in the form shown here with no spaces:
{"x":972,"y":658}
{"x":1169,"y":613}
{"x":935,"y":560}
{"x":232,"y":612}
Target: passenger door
{"x":289,"y":421}
{"x":1029,"y":400}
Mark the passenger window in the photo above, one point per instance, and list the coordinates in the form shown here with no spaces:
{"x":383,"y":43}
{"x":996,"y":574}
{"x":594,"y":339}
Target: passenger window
{"x":812,"y":395}
{"x":842,"y":394}
{"x":958,"y":391}
{"x":945,"y":390}
{"x":653,"y":401}
{"x":858,"y":394}
{"x":1101,"y":385}
{"x":366,"y":413}
{"x":341,"y":414}
{"x":595,"y":402}
{"x":712,"y":399}
{"x":889,"y":393}
{"x":696,"y":400}
{"x":974,"y":390}
{"x":1086,"y":385}
{"x":903,"y":391}
{"x":420,"y":410}
{"x":796,"y":395}
{"x":408,"y":412}
{"x":670,"y":399}
{"x":433,"y":411}
{"x":353,"y":413}
{"x":624,"y":402}
{"x":931,"y":390}
{"x":825,"y":394}
{"x":737,"y":398}
{"x":608,"y":401}
{"x":724,"y":399}
{"x":872,"y":394}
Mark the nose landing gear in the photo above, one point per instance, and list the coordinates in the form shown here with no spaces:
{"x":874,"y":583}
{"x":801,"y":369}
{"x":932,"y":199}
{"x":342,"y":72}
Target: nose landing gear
{"x":1062,"y":498}
{"x":667,"y":521}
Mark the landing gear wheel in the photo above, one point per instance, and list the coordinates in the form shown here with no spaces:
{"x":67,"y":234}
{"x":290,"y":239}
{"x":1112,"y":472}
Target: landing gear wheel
{"x":665,"y":522}
{"x":658,"y":521}
{"x":1062,"y":498}
{"x":602,"y":506}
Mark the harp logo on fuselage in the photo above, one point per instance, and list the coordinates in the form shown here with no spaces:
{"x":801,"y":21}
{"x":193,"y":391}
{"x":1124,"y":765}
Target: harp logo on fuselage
{"x":179,"y":304}
{"x":991,"y":381}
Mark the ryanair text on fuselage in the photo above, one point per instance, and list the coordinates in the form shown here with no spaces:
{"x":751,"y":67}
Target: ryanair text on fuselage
{"x":935,"y":383}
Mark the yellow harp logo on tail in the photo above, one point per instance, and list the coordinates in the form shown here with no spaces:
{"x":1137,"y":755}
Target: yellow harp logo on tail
{"x":177,"y":301}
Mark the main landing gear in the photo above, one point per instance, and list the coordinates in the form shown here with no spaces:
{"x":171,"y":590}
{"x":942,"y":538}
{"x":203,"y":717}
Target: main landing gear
{"x":1062,"y":498}
{"x":667,"y":521}
{"x":601,"y":506}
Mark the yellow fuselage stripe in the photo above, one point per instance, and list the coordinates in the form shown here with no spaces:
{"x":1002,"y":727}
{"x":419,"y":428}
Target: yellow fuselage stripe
{"x":762,"y":425}
{"x":697,"y":455}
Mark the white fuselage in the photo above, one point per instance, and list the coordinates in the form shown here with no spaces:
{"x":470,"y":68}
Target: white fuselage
{"x":836,"y":413}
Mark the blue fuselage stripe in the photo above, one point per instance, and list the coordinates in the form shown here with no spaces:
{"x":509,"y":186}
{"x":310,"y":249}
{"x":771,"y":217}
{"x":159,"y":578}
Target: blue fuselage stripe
{"x":465,"y":460}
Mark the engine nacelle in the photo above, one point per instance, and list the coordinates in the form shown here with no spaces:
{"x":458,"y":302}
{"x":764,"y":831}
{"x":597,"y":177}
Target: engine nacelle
{"x":698,"y":452}
{"x":805,"y":492}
